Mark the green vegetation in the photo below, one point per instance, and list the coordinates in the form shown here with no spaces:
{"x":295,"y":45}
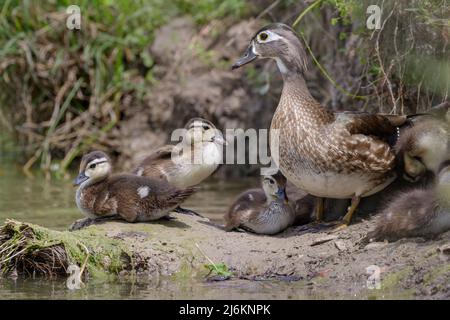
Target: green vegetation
{"x":29,"y":249}
{"x":218,"y":269}
{"x":73,"y":83}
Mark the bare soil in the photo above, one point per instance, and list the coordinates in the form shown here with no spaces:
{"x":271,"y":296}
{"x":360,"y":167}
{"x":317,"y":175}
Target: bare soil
{"x":330,"y":265}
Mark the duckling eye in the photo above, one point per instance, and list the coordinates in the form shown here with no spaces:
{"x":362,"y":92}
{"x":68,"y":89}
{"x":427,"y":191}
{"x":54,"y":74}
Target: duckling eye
{"x":92,"y":166}
{"x":263,"y":36}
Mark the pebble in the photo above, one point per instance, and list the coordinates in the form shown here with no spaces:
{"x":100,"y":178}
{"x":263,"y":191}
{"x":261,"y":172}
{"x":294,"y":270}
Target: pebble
{"x":340,"y":245}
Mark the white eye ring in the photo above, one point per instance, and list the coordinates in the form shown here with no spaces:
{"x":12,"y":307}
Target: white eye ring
{"x":268,"y":36}
{"x":263,"y":37}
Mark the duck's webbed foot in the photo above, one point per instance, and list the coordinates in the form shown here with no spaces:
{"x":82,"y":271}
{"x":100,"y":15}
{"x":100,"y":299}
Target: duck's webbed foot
{"x":86,"y":222}
{"x":80,"y":224}
{"x":187,"y":211}
{"x":346,"y":220}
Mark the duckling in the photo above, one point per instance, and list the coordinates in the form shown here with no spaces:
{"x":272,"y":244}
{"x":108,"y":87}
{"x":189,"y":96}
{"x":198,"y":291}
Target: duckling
{"x":179,"y":168}
{"x":125,"y":196}
{"x":302,"y":203}
{"x":417,"y":213}
{"x":342,"y":155}
{"x":425,"y":144}
{"x":263,"y":211}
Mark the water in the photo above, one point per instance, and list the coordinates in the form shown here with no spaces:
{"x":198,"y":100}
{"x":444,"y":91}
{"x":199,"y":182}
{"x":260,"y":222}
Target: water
{"x":51,"y":204}
{"x":146,"y":289}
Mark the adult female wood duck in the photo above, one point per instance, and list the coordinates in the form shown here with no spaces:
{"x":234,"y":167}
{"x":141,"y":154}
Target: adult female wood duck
{"x":417,"y":213}
{"x":333,"y":155}
{"x":124,"y":196}
{"x":263,"y":211}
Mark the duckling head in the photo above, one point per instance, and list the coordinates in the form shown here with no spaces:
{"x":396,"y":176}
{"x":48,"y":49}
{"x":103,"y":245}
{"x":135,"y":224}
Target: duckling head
{"x":95,"y":166}
{"x":424,"y":148}
{"x":279,"y":42}
{"x":274,"y":187}
{"x":443,"y":184}
{"x":201,"y":131}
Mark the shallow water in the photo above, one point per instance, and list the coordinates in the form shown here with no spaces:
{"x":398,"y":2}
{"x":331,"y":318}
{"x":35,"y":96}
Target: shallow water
{"x":51,"y":204}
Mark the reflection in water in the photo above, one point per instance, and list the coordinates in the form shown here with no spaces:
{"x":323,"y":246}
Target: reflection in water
{"x":145,"y":289}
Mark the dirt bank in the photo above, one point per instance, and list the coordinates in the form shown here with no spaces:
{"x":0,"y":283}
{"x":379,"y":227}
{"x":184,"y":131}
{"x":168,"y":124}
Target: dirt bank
{"x":335,"y":264}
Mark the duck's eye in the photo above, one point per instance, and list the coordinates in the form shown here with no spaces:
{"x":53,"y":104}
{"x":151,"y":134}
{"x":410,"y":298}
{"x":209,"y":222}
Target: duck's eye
{"x":206,"y":127}
{"x":92,"y":166}
{"x":263,"y":36}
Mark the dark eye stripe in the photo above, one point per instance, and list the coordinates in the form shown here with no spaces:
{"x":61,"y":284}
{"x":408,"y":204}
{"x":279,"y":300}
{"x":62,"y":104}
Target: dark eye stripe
{"x":93,"y":165}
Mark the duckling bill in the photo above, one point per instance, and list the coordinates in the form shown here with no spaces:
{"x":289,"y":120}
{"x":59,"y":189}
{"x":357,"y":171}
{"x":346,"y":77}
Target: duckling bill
{"x":131,"y":198}
{"x":263,"y":211}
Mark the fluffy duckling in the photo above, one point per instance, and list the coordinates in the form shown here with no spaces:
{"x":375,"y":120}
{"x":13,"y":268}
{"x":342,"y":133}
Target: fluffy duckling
{"x":263,"y":211}
{"x":125,"y":196}
{"x":187,"y":165}
{"x":417,"y":213}
{"x":426,"y":144}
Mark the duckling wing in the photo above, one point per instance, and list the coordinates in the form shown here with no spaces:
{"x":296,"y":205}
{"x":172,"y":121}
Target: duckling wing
{"x":163,"y":152}
{"x":156,"y":164}
{"x":246,"y":207}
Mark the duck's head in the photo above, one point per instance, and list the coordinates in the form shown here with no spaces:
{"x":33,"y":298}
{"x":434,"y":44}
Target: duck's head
{"x":95,"y":166}
{"x":274,"y":187}
{"x":279,"y":42}
{"x":202,"y":131}
{"x":424,"y":147}
{"x":443,"y":183}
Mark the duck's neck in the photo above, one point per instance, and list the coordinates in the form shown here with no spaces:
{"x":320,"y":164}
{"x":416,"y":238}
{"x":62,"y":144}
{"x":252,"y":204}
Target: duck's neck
{"x":297,"y":99}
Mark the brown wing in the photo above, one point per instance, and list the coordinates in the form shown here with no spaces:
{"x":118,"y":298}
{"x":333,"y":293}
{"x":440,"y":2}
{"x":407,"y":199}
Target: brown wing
{"x":246,"y":206}
{"x":126,"y":191}
{"x":364,"y":142}
{"x":378,"y":125}
{"x":157,"y":164}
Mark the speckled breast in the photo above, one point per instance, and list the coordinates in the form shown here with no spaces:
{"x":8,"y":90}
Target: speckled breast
{"x":304,"y":159}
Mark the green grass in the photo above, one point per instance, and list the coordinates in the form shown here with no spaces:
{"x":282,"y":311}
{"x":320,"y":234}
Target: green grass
{"x":108,"y":59}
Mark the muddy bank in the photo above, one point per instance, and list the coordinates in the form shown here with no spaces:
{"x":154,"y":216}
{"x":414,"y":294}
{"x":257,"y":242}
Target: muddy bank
{"x":335,"y":264}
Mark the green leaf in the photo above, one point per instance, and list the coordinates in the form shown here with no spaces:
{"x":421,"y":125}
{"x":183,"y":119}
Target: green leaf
{"x":219,"y":269}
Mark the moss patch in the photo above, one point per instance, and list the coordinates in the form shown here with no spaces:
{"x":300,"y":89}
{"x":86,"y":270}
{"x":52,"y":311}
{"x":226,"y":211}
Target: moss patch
{"x":31,"y":249}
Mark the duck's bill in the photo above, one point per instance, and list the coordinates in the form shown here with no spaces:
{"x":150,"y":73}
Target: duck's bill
{"x":219,"y":139}
{"x":80,"y":179}
{"x":248,"y":57}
